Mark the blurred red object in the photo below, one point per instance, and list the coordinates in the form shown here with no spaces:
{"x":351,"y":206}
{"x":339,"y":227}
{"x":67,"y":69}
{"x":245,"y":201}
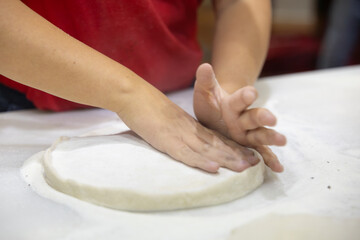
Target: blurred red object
{"x":290,"y":54}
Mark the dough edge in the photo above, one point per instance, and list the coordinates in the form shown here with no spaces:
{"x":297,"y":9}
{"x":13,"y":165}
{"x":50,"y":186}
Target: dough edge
{"x":124,"y":199}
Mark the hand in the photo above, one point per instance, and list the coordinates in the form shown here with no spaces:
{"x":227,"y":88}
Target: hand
{"x":171,"y":130}
{"x":229,"y":115}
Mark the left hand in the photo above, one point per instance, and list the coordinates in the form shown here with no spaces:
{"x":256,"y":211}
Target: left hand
{"x":229,"y":115}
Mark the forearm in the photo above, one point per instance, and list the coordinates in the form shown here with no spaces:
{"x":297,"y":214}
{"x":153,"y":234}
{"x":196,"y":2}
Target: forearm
{"x":241,"y":41}
{"x":36,"y":53}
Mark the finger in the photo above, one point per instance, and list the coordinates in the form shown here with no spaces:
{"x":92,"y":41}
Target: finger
{"x":270,"y":158}
{"x":225,"y":152}
{"x":231,"y":160}
{"x":205,"y":77}
{"x":186,"y":155}
{"x":219,"y":139}
{"x":255,"y":118}
{"x":265,"y":136}
{"x":242,"y":98}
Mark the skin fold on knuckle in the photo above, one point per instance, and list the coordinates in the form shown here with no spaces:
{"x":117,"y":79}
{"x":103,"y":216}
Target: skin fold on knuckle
{"x":205,"y":148}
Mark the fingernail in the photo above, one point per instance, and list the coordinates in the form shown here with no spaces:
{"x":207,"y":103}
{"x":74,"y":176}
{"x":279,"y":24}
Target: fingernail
{"x":242,"y":165}
{"x":253,"y":160}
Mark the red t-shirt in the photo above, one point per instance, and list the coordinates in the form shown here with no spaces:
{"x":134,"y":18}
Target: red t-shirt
{"x":154,"y":38}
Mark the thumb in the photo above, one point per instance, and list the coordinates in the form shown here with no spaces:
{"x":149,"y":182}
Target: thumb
{"x":205,"y":77}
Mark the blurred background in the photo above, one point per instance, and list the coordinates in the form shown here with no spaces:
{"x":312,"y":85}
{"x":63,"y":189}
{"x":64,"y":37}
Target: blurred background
{"x":306,"y":35}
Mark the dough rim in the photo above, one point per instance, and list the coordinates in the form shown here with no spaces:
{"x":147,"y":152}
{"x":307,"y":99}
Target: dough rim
{"x":130,"y":200}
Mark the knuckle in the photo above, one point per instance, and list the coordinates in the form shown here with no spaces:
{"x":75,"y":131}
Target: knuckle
{"x":179,"y":152}
{"x":206,"y":147}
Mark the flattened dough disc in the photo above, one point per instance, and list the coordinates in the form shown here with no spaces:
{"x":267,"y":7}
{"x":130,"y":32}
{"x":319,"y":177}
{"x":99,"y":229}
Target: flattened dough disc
{"x":124,"y":172}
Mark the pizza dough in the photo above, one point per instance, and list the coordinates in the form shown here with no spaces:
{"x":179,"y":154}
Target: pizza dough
{"x":124,"y":172}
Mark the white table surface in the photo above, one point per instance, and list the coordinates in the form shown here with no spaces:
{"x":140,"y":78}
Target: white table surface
{"x":319,"y":112}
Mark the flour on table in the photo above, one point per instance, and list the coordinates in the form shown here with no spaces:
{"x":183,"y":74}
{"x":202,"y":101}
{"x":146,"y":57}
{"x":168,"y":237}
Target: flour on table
{"x":298,"y":227}
{"x":123,"y":172}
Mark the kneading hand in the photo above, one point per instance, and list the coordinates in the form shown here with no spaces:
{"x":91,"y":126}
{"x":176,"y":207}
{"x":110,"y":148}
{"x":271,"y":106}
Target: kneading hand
{"x":171,"y":130}
{"x":229,"y":115}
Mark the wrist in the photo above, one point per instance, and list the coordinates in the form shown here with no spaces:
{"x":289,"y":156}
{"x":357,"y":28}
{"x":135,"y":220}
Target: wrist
{"x":231,"y":87}
{"x":138,"y":101}
{"x":121,"y":90}
{"x":232,"y":77}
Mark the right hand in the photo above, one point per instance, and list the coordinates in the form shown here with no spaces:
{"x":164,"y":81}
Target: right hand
{"x":171,"y":130}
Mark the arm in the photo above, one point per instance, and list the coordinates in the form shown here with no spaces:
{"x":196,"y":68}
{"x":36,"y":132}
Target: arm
{"x":38,"y":54}
{"x":241,"y":41}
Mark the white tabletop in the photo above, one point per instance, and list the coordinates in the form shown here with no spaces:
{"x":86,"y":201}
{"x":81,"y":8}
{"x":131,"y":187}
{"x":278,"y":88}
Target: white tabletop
{"x":319,"y":112}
